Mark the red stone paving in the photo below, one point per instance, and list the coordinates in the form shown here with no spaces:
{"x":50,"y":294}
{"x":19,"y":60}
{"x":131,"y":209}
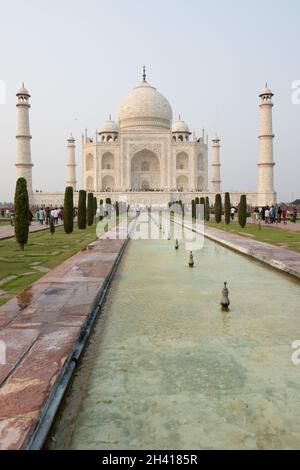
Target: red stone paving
{"x":40,"y":327}
{"x":7,"y":231}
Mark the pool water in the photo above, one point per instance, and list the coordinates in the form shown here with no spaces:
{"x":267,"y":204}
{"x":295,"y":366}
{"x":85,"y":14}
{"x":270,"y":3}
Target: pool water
{"x":165,"y":368}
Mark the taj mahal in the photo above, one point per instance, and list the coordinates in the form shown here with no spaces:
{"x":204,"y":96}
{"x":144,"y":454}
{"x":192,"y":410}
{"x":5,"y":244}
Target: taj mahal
{"x":147,"y":156}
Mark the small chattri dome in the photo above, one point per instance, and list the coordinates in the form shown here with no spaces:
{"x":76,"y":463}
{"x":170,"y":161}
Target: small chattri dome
{"x":23,"y":91}
{"x":180,"y":126}
{"x":109,"y":126}
{"x":266,"y":91}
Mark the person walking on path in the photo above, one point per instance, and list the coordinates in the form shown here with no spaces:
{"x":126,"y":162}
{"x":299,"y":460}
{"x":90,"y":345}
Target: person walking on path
{"x":283,"y":216}
{"x":267,"y":215}
{"x":42,"y":216}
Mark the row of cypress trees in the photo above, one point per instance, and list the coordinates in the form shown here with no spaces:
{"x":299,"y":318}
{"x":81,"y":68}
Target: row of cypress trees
{"x":196,"y":208}
{"x":242,"y":210}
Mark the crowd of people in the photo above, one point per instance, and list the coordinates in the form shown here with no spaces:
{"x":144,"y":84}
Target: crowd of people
{"x":275,"y":214}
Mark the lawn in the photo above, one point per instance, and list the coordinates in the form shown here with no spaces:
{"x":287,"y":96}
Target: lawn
{"x":268,"y":234}
{"x":43,"y":252}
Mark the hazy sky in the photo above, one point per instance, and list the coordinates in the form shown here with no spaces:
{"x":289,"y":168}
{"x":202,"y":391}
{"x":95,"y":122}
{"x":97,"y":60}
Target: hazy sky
{"x":209,"y":58}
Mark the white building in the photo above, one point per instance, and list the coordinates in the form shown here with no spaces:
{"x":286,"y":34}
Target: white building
{"x":147,"y":156}
{"x":145,"y":150}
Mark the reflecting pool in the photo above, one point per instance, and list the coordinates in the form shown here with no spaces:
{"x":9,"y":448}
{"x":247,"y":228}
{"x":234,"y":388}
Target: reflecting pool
{"x":165,"y":368}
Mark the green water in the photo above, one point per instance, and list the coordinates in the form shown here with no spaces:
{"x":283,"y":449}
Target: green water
{"x":166,"y":369}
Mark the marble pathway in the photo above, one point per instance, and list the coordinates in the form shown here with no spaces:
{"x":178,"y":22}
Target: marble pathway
{"x":275,"y":256}
{"x":39,"y":328}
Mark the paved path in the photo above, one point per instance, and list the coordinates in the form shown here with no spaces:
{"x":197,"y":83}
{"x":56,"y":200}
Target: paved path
{"x":275,"y":256}
{"x":290,"y":227}
{"x":7,"y":231}
{"x":40,"y":328}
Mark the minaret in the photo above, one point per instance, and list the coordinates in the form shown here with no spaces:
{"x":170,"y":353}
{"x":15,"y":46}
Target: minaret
{"x":266,"y":194}
{"x":215,"y":165}
{"x":23,"y":163}
{"x":71,"y":165}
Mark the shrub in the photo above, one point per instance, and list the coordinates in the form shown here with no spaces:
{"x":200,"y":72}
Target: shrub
{"x":21,"y":206}
{"x":82,"y":209}
{"x":242,"y":214}
{"x":207,"y":209}
{"x":218,"y":208}
{"x":52,"y":226}
{"x":90,"y":209}
{"x":227,"y":208}
{"x":68,"y":210}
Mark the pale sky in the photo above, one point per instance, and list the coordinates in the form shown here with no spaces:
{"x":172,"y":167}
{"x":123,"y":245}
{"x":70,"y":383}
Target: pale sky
{"x":209,"y":58}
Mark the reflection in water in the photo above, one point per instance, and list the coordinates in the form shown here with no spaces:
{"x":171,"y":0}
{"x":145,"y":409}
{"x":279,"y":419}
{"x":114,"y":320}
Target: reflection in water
{"x":166,"y":369}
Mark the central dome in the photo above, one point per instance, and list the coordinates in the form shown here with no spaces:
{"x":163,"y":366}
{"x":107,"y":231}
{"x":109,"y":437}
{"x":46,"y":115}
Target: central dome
{"x":144,"y":106}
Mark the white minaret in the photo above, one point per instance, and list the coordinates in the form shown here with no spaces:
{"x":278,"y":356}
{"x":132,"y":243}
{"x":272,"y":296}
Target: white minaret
{"x":266,"y":194}
{"x":23,"y":163}
{"x":215,"y":165}
{"x":71,"y":165}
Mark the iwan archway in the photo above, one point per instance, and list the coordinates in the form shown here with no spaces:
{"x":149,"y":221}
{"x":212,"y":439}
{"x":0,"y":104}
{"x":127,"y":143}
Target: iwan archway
{"x":145,"y":171}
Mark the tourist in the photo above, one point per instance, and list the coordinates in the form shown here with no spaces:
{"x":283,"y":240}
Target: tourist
{"x":283,"y":216}
{"x":37,"y":216}
{"x":48,"y":215}
{"x":55,"y":215}
{"x":267,"y":215}
{"x":30,"y":217}
{"x":41,"y":216}
{"x":294,"y":215}
{"x":272,"y":215}
{"x":12,"y":217}
{"x":232,"y":212}
{"x":279,"y":213}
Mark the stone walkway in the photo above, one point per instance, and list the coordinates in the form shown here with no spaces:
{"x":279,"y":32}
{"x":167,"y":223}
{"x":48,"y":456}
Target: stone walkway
{"x":9,"y":231}
{"x":290,"y":227}
{"x":275,"y":256}
{"x":40,"y":328}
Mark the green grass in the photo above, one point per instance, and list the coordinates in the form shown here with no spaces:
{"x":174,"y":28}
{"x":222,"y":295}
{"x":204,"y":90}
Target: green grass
{"x":274,"y":236}
{"x":41,"y":248}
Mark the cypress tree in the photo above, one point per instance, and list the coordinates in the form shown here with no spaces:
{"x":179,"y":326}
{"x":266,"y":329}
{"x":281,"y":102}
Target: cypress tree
{"x":117,"y":210}
{"x":82,"y":209}
{"x":197,"y":208}
{"x":227,"y":208}
{"x":52,"y":226}
{"x":108,"y":206}
{"x":95,"y":206}
{"x":202,"y":204}
{"x":90,"y":209}
{"x":207,"y":209}
{"x":193,"y":209}
{"x":218,"y":208}
{"x":243,"y":211}
{"x":21,"y":206}
{"x":101,"y":209}
{"x":68,"y":210}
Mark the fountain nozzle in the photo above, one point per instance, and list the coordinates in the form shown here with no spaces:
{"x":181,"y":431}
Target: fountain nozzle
{"x":225,"y":302}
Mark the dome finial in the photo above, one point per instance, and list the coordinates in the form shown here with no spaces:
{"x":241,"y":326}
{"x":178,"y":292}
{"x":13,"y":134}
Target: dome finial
{"x":144,"y":73}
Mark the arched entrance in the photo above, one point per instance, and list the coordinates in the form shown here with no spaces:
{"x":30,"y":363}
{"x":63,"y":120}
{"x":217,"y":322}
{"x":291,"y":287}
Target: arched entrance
{"x":145,"y":174}
{"x":107,"y":183}
{"x":182,"y":183}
